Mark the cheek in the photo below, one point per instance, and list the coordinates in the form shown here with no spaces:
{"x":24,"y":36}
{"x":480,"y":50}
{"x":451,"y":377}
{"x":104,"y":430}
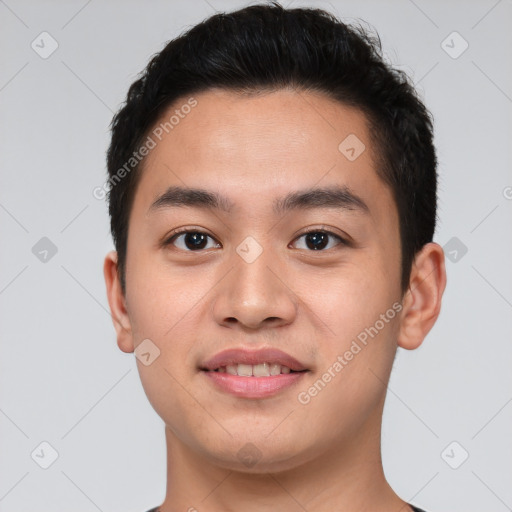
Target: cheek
{"x":162,"y":310}
{"x":166,"y":306}
{"x":159,"y":297}
{"x":357,"y":320}
{"x":350,"y":298}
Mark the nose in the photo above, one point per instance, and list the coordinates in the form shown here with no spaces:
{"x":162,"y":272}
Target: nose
{"x":255,"y":295}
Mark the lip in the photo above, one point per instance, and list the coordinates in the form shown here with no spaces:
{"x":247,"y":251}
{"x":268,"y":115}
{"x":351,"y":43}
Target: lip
{"x":244,"y":356}
{"x":253,"y":387}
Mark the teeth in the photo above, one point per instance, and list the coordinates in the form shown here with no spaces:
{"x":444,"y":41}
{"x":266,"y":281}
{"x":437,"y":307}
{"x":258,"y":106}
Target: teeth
{"x":245,"y":370}
{"x":261,"y":370}
{"x":275,"y":369}
{"x":231,"y":370}
{"x":256,"y":370}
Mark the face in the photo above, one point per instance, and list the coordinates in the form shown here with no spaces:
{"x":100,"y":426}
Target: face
{"x":316,"y":276}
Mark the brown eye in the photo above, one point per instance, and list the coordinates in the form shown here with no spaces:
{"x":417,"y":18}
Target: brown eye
{"x":318,"y":240}
{"x":190,"y":241}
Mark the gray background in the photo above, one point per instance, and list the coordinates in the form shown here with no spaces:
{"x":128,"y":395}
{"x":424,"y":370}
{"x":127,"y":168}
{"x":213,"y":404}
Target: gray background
{"x":63,"y":379}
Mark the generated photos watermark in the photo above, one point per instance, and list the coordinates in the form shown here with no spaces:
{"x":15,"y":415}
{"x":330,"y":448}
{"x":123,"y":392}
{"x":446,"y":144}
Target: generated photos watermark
{"x":357,"y":345}
{"x":150,"y":143}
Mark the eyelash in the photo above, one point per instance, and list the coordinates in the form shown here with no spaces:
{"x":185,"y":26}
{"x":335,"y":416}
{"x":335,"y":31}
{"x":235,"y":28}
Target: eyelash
{"x":170,"y":240}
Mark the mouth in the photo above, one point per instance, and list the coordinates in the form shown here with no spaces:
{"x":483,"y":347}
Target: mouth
{"x":255,"y":370}
{"x":253,"y":374}
{"x":263,"y":362}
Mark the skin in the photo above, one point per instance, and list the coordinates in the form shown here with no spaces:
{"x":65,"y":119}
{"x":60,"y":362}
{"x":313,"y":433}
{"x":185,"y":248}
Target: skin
{"x":322,"y":456}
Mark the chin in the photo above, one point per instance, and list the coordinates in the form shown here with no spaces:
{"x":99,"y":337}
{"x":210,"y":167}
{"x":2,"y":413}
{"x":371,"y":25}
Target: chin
{"x":256,"y":455}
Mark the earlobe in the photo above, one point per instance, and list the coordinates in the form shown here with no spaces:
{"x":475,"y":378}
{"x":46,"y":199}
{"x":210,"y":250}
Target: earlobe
{"x":117,"y":303}
{"x":422,"y":301}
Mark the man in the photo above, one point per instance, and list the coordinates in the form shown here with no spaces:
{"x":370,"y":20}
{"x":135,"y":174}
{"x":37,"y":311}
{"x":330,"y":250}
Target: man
{"x":273,"y":204}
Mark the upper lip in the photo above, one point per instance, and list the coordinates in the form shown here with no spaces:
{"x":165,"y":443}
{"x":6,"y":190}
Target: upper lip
{"x":245,"y":356}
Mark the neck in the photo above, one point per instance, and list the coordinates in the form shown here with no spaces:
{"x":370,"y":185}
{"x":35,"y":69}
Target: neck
{"x":346,"y":478}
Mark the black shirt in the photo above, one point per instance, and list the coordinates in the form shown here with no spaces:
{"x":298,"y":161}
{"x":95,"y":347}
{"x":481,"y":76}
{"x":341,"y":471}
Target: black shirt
{"x":415,"y":509}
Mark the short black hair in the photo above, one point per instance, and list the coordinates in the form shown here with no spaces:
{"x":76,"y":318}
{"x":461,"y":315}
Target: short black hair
{"x":266,"y":47}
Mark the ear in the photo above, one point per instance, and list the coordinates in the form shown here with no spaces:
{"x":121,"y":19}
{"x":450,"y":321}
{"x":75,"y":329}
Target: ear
{"x":422,"y":301}
{"x":117,"y":303}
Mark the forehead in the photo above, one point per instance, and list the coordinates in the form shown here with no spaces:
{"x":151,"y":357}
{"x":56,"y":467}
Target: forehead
{"x":256,"y":149}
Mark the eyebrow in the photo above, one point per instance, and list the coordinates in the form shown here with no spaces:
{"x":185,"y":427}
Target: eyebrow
{"x":338,"y":197}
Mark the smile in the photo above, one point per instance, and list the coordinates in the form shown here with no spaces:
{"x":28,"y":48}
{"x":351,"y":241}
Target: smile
{"x":254,"y":370}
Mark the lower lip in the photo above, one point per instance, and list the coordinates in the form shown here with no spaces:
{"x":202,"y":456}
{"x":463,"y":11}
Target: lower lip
{"x":253,"y":387}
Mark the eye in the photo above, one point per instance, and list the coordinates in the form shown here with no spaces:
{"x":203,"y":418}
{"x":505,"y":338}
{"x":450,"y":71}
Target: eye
{"x":318,"y":239}
{"x":190,"y":240}
{"x":193,"y":240}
